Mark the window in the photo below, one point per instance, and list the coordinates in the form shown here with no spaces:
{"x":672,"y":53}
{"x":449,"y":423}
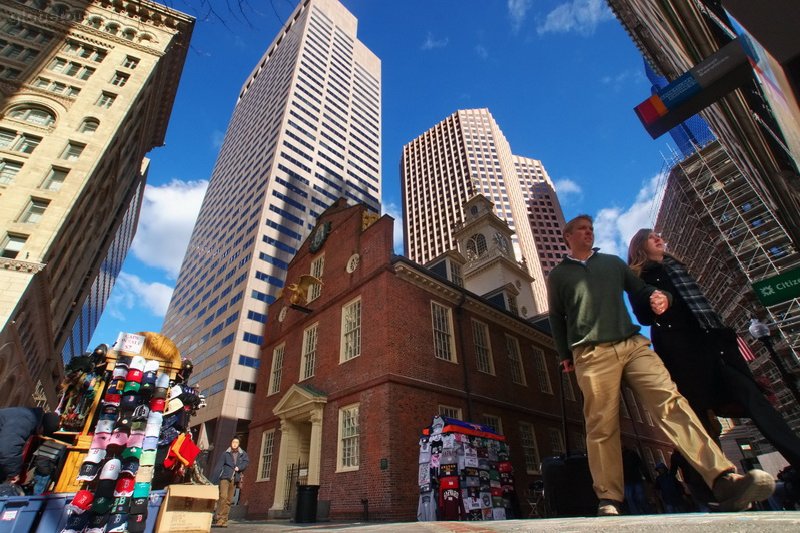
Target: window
{"x":55,"y":179}
{"x":455,"y":274}
{"x":317,"y":267}
{"x":119,"y":79}
{"x":130,"y":62}
{"x":22,"y":142}
{"x":309,"y":356}
{"x":8,"y":170}
{"x":450,"y":412}
{"x":529,"y":449}
{"x":12,"y":245}
{"x":541,"y":370}
{"x":493,"y":422}
{"x":483,"y":350}
{"x":250,"y":362}
{"x":73,"y":151}
{"x":476,"y":246}
{"x":33,"y":211}
{"x":265,"y":460}
{"x":351,"y":331}
{"x":556,"y":441}
{"x":244,"y":386}
{"x":443,"y":343}
{"x":277,"y":369}
{"x":515,"y":360}
{"x":89,"y":125}
{"x":105,"y":100}
{"x":33,"y":115}
{"x":348,"y":439}
{"x":566,"y":386}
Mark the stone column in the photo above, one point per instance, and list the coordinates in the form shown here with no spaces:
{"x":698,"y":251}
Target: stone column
{"x":315,"y":448}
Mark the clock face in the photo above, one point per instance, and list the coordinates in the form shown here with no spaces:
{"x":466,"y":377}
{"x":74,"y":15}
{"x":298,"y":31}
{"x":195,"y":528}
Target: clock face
{"x":501,"y":241}
{"x":319,"y":236}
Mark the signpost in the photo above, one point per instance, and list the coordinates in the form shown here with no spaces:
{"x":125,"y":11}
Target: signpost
{"x":778,"y":289}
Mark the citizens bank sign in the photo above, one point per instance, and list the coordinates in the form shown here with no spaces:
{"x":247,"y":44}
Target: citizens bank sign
{"x":778,"y":289}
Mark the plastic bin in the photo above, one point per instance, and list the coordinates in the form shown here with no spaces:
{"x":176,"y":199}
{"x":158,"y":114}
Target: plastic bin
{"x":306,"y":503}
{"x":54,"y":512}
{"x":19,"y":514}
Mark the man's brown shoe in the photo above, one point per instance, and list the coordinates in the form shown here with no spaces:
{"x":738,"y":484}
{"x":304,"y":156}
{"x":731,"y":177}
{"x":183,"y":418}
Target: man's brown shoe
{"x":735,"y":492}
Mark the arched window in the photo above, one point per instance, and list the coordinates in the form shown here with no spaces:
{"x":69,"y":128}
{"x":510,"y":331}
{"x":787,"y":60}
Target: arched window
{"x":89,"y":125}
{"x":59,"y":10}
{"x":476,"y":245}
{"x":33,"y":114}
{"x":146,"y":37}
{"x":95,"y":22}
{"x":129,"y":33}
{"x":112,"y":28}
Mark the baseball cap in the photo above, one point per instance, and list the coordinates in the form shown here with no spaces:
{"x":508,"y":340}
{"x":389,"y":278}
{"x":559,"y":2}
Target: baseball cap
{"x":129,"y":401}
{"x":155,"y":418}
{"x":124,"y":360}
{"x":141,"y":489}
{"x":120,"y":371}
{"x":104,"y":426}
{"x":148,"y":458}
{"x":112,"y":397}
{"x":157,"y":404}
{"x":132,"y":453}
{"x":160,"y":393}
{"x":111,"y":469}
{"x":130,"y":465}
{"x":175,"y":391}
{"x":88,"y":471}
{"x":168,"y":436}
{"x":162,"y":382}
{"x":136,"y":440}
{"x":100,"y":440}
{"x":150,"y":365}
{"x":145,"y":474}
{"x":81,"y":502}
{"x":132,"y":385}
{"x":140,"y":413}
{"x":108,"y":412}
{"x":138,"y":426}
{"x":150,"y":443}
{"x":139,"y":505}
{"x":137,"y":522}
{"x":95,"y":455}
{"x":76,"y":522}
{"x":137,"y":363}
{"x":118,"y":440}
{"x":117,"y":523}
{"x":124,"y":487}
{"x":122,"y":505}
{"x":100,"y":506}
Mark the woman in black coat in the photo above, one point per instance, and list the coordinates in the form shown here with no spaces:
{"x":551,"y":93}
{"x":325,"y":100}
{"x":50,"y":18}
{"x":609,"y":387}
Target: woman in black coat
{"x":700,"y":352}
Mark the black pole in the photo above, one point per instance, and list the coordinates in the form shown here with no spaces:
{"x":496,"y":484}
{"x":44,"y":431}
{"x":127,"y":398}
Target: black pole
{"x":788,"y":379}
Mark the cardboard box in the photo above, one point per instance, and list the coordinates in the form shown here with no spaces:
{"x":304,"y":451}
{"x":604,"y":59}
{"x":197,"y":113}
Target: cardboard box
{"x":187,"y":508}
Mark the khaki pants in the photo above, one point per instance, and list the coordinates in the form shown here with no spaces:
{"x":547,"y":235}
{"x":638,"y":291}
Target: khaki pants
{"x":227,"y":488}
{"x":599,"y":370}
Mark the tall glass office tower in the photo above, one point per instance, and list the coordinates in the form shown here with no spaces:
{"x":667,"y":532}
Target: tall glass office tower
{"x":305,"y":131}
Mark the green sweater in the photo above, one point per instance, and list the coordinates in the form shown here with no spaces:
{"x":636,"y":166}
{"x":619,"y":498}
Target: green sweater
{"x":586,"y":305}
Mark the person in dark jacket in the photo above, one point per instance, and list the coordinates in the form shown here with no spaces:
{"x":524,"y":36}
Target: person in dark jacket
{"x":17,"y":425}
{"x":234,"y":463}
{"x":700,"y":352}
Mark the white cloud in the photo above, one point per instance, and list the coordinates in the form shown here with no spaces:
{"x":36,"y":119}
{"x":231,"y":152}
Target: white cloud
{"x":166,"y":221}
{"x":396,"y":212}
{"x":614,"y":227}
{"x":481,"y":51}
{"x":566,"y":187}
{"x":131,"y":292}
{"x":580,"y":16}
{"x":217,"y":138}
{"x":517,"y":10}
{"x":625,"y":78}
{"x":431,"y":42}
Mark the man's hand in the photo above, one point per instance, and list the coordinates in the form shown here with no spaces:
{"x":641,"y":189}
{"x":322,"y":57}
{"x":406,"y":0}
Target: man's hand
{"x":567,"y":366}
{"x":659,"y":302}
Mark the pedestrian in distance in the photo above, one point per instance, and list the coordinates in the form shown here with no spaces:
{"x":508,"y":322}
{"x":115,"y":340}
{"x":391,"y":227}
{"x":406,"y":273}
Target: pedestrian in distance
{"x":234,"y":463}
{"x":670,"y":490}
{"x":700,"y":351}
{"x":636,"y":477}
{"x":595,"y":338}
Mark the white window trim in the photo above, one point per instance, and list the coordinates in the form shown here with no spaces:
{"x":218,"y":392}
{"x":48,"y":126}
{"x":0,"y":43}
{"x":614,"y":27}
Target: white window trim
{"x":317,"y":270}
{"x":535,"y":446}
{"x":264,"y":435}
{"x":449,"y":411}
{"x":542,"y":375}
{"x":275,"y":388}
{"x":515,"y":358}
{"x":340,"y":440}
{"x":304,"y":353}
{"x":487,"y":337}
{"x":343,"y":358}
{"x":450,"y":332}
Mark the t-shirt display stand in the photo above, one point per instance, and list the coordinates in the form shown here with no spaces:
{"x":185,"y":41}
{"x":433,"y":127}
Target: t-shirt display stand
{"x":465,"y":473}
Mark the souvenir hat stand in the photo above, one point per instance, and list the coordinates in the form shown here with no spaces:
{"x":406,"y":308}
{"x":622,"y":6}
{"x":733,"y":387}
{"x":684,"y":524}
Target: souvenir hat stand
{"x":110,"y":467}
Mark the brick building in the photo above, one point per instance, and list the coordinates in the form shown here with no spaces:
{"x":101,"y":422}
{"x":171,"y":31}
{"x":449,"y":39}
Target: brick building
{"x":351,"y":374}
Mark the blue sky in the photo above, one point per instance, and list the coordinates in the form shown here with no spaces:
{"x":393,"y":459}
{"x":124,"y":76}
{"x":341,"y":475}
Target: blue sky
{"x":561,"y":79}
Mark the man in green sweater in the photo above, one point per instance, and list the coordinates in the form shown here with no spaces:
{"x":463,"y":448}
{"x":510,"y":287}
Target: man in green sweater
{"x":596,"y":338}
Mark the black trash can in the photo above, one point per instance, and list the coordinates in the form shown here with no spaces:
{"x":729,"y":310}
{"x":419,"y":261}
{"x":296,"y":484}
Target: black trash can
{"x":306,"y":503}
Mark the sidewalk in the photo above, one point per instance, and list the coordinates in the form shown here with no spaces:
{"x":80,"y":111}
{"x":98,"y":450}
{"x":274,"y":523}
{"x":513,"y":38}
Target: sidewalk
{"x":749,"y":522}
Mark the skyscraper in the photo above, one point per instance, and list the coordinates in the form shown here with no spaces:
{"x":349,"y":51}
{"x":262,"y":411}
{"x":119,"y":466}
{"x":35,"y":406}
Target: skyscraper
{"x":463,"y":155}
{"x":86,"y":90}
{"x":305,"y":131}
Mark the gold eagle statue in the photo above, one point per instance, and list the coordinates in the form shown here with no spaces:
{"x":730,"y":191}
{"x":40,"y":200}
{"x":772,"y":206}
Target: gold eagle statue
{"x":299,"y":290}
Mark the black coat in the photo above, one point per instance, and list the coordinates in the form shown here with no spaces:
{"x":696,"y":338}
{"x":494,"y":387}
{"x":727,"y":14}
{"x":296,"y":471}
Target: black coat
{"x":693,"y":355}
{"x":228,"y":464}
{"x":17,"y":425}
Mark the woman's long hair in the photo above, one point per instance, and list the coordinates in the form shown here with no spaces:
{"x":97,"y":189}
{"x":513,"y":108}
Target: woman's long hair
{"x":637,"y":257}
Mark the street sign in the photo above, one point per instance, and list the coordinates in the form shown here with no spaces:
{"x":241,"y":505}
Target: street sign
{"x":778,"y":289}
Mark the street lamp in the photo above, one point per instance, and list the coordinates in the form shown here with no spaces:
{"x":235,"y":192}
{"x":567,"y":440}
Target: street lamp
{"x":760,"y":331}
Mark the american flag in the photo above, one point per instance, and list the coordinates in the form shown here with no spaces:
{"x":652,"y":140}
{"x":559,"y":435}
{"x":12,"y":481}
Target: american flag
{"x":744,"y":349}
